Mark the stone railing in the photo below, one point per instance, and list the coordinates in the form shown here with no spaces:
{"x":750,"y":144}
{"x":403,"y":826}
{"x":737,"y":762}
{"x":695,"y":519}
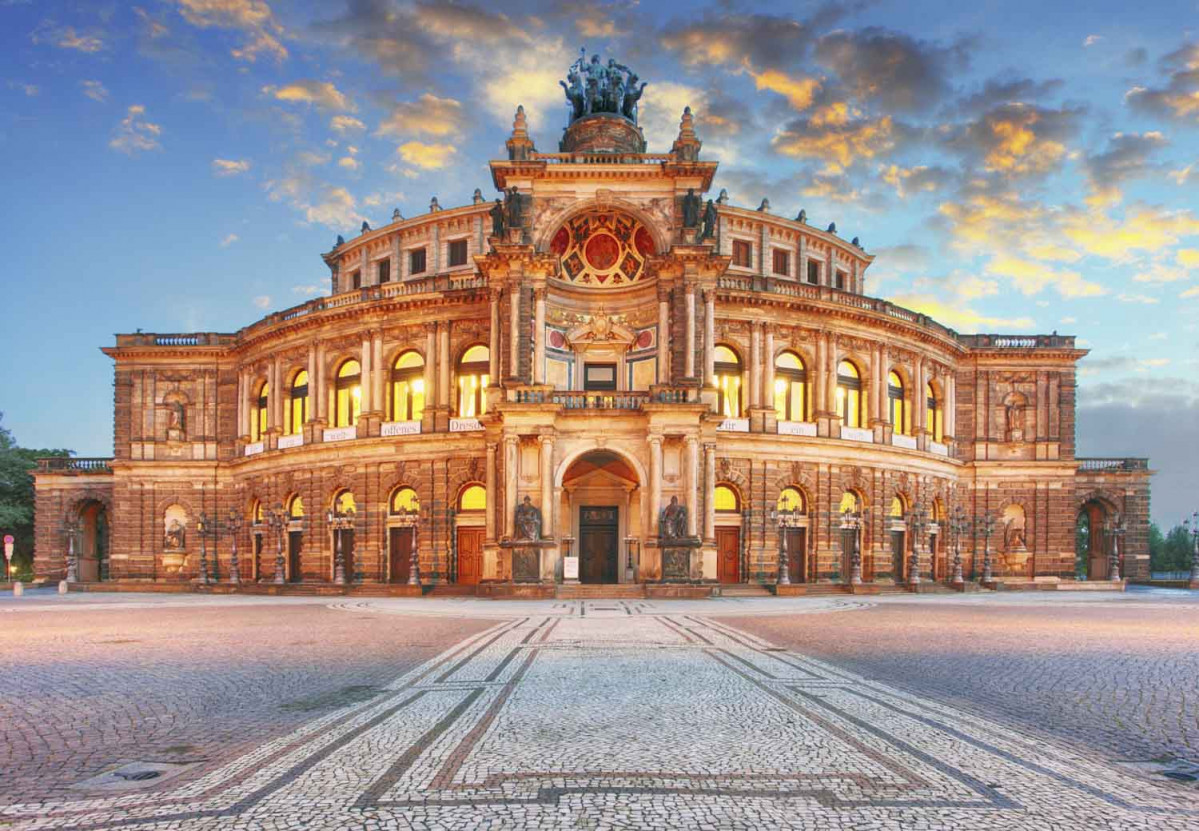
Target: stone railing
{"x":1114,"y":465}
{"x":182,"y":339}
{"x":1018,"y":341}
{"x":602,"y":158}
{"x":66,"y":464}
{"x":591,"y":400}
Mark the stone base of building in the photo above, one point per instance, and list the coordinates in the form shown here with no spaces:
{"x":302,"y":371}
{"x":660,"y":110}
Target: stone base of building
{"x":1059,"y":586}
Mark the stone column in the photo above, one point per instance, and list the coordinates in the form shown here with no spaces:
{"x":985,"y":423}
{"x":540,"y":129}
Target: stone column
{"x":367,"y":402}
{"x":275,"y":408}
{"x":493,"y":345}
{"x":710,"y":338}
{"x":710,"y":493}
{"x":510,"y":478}
{"x":241,"y":402}
{"x":443,"y":364}
{"x":312,"y":364}
{"x":920,"y":405}
{"x":768,"y":370}
{"x":377,"y":399}
{"x":689,"y":347}
{"x":692,"y":484}
{"x":663,"y":340}
{"x":514,"y":331}
{"x":431,"y":366}
{"x":539,"y":336}
{"x":655,"y":482}
{"x":547,"y":487}
{"x":951,"y":402}
{"x":819,"y":385}
{"x":878,"y":384}
{"x":490,"y":483}
{"x":755,"y":365}
{"x":322,"y":390}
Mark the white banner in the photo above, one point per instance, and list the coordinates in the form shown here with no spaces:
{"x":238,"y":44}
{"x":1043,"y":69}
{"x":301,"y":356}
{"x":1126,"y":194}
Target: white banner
{"x":255,"y":447}
{"x":464,"y":425}
{"x":797,"y":428}
{"x":296,"y":440}
{"x":400,"y":428}
{"x":734,"y":425}
{"x":340,"y":433}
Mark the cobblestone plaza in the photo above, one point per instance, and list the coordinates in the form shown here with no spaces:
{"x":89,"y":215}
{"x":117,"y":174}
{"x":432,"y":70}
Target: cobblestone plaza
{"x":978,"y":711}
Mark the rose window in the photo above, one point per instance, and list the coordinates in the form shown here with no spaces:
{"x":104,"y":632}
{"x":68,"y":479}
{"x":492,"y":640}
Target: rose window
{"x":603,"y":249}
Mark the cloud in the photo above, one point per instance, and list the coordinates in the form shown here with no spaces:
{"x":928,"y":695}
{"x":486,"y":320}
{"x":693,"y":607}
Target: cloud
{"x":321,"y":94}
{"x":30,"y":90}
{"x":753,"y":42}
{"x":349,"y":162}
{"x":901,"y":74}
{"x":1183,"y":174}
{"x":1091,"y":40}
{"x":66,"y":37}
{"x":960,"y":317}
{"x":1188,"y":257}
{"x":135,"y":133}
{"x":1145,"y":228}
{"x":254,"y":18}
{"x":1178,"y":100}
{"x":1032,"y":277}
{"x":345,"y":124}
{"x":426,"y":156}
{"x":428,"y":115}
{"x":914,"y":180}
{"x":230,"y":167}
{"x":1126,"y":157}
{"x":996,"y":92}
{"x":800,"y":92}
{"x":317,"y":201}
{"x":95,"y":91}
{"x":229,"y":239}
{"x":837,"y":134}
{"x":1193,"y":291}
{"x":1018,"y":140}
{"x":154,"y":28}
{"x":1136,"y":57}
{"x":1143,"y":299}
{"x":263,"y":301}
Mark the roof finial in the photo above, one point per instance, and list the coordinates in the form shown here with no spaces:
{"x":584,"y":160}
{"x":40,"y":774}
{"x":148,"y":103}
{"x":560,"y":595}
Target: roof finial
{"x":519,"y":144}
{"x":765,"y":206}
{"x":686,"y":146}
{"x":433,"y":206}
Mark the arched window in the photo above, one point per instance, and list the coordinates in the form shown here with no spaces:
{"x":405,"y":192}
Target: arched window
{"x":473,"y":378}
{"x":257,"y":513}
{"x":935,"y":425}
{"x":728,"y":381}
{"x":791,"y":500}
{"x":849,"y":394}
{"x":297,"y":411}
{"x":404,"y":501}
{"x":344,"y":502}
{"x":849,"y":502}
{"x":295,"y":507}
{"x":790,"y":388}
{"x":472,"y":498}
{"x":895,"y":403}
{"x":408,"y":387}
{"x":347,"y":395}
{"x":261,"y":405}
{"x":897,"y":509}
{"x":726,"y":500}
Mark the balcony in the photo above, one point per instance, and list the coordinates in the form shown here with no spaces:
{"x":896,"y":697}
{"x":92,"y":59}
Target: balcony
{"x":1103,"y":465}
{"x":77,"y":466}
{"x":582,"y":400}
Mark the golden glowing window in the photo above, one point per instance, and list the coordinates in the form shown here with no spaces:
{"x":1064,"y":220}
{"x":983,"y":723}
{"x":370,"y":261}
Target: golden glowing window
{"x":473,"y":498}
{"x":896,"y":511}
{"x":473,"y":378}
{"x":347,"y":394}
{"x":344,"y":503}
{"x":791,"y":501}
{"x":935,"y":425}
{"x":261,"y":405}
{"x":297,"y":411}
{"x":895,"y":403}
{"x":728,"y":381}
{"x":726,"y":499}
{"x":849,"y":502}
{"x":408,"y":387}
{"x":790,"y":388}
{"x":257,"y":515}
{"x":849,"y":394}
{"x":404,"y":500}
{"x":295,"y":507}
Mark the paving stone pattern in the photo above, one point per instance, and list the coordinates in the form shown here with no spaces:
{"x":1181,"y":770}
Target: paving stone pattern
{"x":623,"y":715}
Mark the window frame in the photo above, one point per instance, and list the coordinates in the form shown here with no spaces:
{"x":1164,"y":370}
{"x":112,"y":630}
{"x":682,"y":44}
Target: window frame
{"x":478,"y":369}
{"x":465,"y":243}
{"x":743,"y":246}
{"x":934,"y":422}
{"x":775,"y":254}
{"x":384,"y":270}
{"x":262,"y":408}
{"x":790,"y":377}
{"x":295,"y":400}
{"x":813,"y":275}
{"x":897,"y":401}
{"x":347,"y":384}
{"x":413,"y":253}
{"x":410,"y":375}
{"x":849,"y":391}
{"x":723,"y":372}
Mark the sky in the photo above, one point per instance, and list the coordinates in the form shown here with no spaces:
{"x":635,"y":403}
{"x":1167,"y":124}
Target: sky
{"x":1015,"y":167}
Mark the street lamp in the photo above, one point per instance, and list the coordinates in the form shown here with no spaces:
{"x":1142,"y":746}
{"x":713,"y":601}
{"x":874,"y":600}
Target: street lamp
{"x":71,"y":529}
{"x":632,"y":547}
{"x":203,"y":528}
{"x":1116,"y":530}
{"x":233,"y":526}
{"x":851,"y":521}
{"x":985,"y":525}
{"x":917,"y":521}
{"x":786,"y":517}
{"x":277,"y":519}
{"x":1193,"y":526}
{"x":959,"y":524}
{"x":339,"y":521}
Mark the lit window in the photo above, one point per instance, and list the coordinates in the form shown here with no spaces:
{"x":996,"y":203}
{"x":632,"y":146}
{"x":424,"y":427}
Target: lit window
{"x":404,"y":500}
{"x":347,"y":395}
{"x":257,"y":515}
{"x":408,"y":387}
{"x":791,"y":501}
{"x":295,"y":507}
{"x":473,"y":498}
{"x":895,"y":403}
{"x":728,"y":381}
{"x":849,"y":502}
{"x":473,"y":378}
{"x":935,"y":426}
{"x":344,"y":503}
{"x":297,"y":411}
{"x":261,"y":405}
{"x":790,"y":388}
{"x":726,"y":499}
{"x":896,"y":511}
{"x":849,"y":394}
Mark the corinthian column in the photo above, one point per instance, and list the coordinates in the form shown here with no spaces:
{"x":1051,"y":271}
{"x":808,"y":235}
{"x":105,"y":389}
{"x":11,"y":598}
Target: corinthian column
{"x":692,"y":484}
{"x":431,"y":366}
{"x":514,"y":331}
{"x":547,"y":487}
{"x":312,"y":392}
{"x":768,"y":371}
{"x":490,"y":483}
{"x":755,"y":365}
{"x":510,"y":447}
{"x":710,"y":338}
{"x":443,"y":364}
{"x":377,"y":401}
{"x":710,"y":492}
{"x":539,"y":336}
{"x":494,"y":338}
{"x":655,"y":482}
{"x":366,"y":376}
{"x":689,"y":353}
{"x":663,"y":340}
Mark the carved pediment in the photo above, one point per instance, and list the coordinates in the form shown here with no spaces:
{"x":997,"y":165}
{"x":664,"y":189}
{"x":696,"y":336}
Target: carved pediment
{"x":600,"y":328}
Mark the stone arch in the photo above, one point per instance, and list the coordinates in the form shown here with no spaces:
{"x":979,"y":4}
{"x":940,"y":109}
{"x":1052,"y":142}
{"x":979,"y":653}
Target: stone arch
{"x":550,"y":224}
{"x":571,"y":458}
{"x":727,"y":472}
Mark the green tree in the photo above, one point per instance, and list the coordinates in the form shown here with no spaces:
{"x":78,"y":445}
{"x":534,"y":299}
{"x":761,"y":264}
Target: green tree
{"x":1177,"y":550}
{"x":17,"y":495}
{"x":1157,"y":548}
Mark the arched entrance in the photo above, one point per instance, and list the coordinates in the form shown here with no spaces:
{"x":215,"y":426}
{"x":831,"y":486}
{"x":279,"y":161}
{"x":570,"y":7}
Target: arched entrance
{"x":1091,"y":542}
{"x":601,"y":501}
{"x":92,"y":551}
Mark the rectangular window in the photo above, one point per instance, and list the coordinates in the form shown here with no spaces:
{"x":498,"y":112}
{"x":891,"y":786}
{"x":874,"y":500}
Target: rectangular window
{"x":356,"y":279}
{"x":782,"y":262}
{"x":743,"y":254}
{"x":599,"y":377}
{"x":457,"y":252}
{"x":813,"y":272}
{"x":416,"y":261}
{"x":384,"y":271}
{"x":841,"y":280}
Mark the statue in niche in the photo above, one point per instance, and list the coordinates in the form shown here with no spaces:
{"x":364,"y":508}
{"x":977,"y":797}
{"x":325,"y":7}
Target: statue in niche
{"x":691,"y":204}
{"x":176,"y":537}
{"x":178,"y":417}
{"x":1013,"y":414}
{"x":528,"y":520}
{"x":709,"y":231}
{"x":515,"y":211}
{"x":497,"y":219}
{"x":673,"y":522}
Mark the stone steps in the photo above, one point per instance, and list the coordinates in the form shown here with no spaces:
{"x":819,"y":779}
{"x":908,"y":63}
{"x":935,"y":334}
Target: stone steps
{"x":587,"y":592}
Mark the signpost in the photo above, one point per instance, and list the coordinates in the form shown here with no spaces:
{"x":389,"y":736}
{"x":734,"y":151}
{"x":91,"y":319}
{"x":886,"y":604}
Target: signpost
{"x":8,"y":543}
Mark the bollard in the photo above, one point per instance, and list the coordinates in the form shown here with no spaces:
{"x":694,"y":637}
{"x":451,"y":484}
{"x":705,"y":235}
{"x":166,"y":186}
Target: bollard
{"x":18,"y":589}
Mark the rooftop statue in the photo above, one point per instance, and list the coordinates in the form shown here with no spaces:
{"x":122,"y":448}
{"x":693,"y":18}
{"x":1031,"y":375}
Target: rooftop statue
{"x":592,"y":87}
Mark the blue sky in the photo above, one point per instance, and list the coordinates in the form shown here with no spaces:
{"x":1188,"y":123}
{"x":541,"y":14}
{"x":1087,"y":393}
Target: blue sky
{"x":1019,"y":166}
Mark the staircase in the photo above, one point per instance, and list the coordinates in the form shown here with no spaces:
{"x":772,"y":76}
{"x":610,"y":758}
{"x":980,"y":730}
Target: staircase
{"x":744,"y":590}
{"x":583,"y":591}
{"x":451,"y":590}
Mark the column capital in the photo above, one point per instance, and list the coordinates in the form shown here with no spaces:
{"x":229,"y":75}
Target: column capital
{"x":430,"y":327}
{"x":654,"y":439}
{"x":691,"y":440}
{"x":540,"y":293}
{"x":492,"y":446}
{"x":546,"y":439}
{"x":709,"y":295}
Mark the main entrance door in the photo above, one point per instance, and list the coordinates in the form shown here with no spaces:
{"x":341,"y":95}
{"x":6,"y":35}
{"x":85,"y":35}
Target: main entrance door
{"x":295,"y":545}
{"x":728,"y":555}
{"x":797,"y":554}
{"x":599,"y":544}
{"x":470,"y":555}
{"x":898,"y":557}
{"x":399,"y":553}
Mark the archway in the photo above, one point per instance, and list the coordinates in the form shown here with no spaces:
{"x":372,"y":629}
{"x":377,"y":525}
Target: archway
{"x":1091,"y":542}
{"x":92,"y":553}
{"x":600,"y":508}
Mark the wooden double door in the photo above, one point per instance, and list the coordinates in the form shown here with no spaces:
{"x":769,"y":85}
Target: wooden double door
{"x":796,"y":540}
{"x":728,"y":554}
{"x":470,"y":556}
{"x":399,"y":554}
{"x":599,"y":544}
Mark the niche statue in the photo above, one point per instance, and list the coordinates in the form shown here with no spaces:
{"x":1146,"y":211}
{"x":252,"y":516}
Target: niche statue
{"x":673,"y":522}
{"x":528,"y":521}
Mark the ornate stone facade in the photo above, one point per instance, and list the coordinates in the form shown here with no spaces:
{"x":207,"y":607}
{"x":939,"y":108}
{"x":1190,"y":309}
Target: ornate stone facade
{"x":603,"y":355}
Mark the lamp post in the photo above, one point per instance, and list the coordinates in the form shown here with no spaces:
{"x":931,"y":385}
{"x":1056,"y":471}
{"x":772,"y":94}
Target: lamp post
{"x":632,"y":546}
{"x":71,"y":529}
{"x":1116,"y":530}
{"x":852,"y":521}
{"x":986,"y":526}
{"x":339,"y":521}
{"x":917,"y":521}
{"x":233,"y":526}
{"x":1193,"y":526}
{"x":203,"y":528}
{"x":277,"y":519}
{"x":959,"y":524}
